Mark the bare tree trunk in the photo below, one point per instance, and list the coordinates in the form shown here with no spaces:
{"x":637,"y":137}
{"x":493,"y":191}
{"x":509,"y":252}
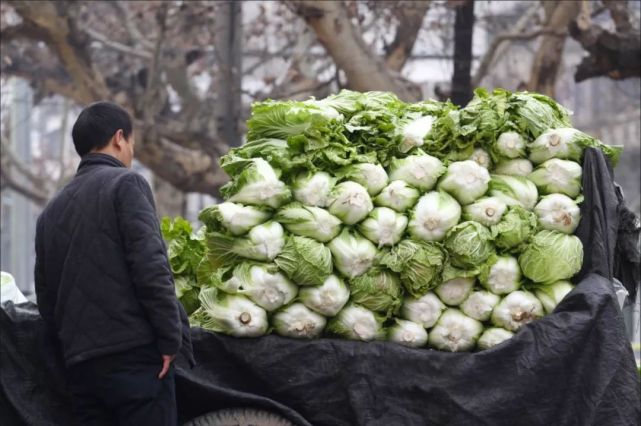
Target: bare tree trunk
{"x":547,"y":62}
{"x":463,"y":30}
{"x":410,"y":17}
{"x":335,"y":31}
{"x":228,"y":48}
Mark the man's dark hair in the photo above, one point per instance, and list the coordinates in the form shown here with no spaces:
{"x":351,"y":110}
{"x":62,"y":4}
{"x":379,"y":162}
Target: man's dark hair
{"x":97,"y":123}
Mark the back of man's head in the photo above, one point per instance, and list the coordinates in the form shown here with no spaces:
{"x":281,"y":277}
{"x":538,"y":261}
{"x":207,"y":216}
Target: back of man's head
{"x":97,"y":124}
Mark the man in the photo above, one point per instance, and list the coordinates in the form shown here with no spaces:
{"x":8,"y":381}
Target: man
{"x":104,"y":284}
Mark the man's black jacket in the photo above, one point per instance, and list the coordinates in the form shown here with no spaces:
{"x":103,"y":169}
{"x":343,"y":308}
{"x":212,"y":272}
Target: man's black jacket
{"x":103,"y":281}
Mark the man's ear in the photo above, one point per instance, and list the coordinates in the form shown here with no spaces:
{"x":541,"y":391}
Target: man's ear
{"x":119,"y":139}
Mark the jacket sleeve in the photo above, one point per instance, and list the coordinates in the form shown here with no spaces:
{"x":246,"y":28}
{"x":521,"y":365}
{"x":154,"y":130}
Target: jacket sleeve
{"x":44,"y":296}
{"x":147,"y":261}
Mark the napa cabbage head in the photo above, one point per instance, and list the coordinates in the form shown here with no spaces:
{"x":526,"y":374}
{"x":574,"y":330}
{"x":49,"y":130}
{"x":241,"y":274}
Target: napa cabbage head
{"x":419,"y":264}
{"x":398,"y":195}
{"x":313,"y":189}
{"x":558,"y":176}
{"x":372,"y":177}
{"x":516,"y":167}
{"x":350,"y":202}
{"x":378,"y":290}
{"x":328,"y":298}
{"x":305,"y":260}
{"x":558,"y":212}
{"x":352,"y":253}
{"x":469,"y":244}
{"x":465,"y":180}
{"x":233,"y":218}
{"x":551,"y":256}
{"x":383,"y":226}
{"x":514,"y":190}
{"x":308,"y":221}
{"x":254,"y":182}
{"x":435,"y":213}
{"x":357,"y":323}
{"x":419,"y":170}
{"x":515,"y":228}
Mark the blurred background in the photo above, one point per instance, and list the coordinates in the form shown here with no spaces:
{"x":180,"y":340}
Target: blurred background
{"x":188,"y":72}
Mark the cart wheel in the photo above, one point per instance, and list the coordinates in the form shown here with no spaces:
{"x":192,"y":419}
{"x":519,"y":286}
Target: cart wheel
{"x":239,"y":417}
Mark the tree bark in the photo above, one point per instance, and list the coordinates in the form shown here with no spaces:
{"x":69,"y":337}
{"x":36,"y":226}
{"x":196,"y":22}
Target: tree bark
{"x":547,"y":61}
{"x":463,"y":31}
{"x":169,"y":144}
{"x":364,"y":70}
{"x":228,"y":45}
{"x":616,"y":55}
{"x":410,"y":17}
{"x":500,"y":44}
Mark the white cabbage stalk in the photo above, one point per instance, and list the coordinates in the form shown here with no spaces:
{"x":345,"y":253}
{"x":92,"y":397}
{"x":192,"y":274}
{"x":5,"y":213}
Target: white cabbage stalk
{"x":465,"y":180}
{"x":268,"y":240}
{"x":493,"y":336}
{"x":480,"y":304}
{"x":372,"y":176}
{"x":297,"y":321}
{"x":558,"y":212}
{"x":487,"y":211}
{"x":356,"y":323}
{"x":453,"y":292}
{"x":551,"y":295}
{"x":239,"y":219}
{"x":384,"y":226}
{"x":350,"y":202}
{"x":415,"y":131}
{"x":231,"y":285}
{"x":517,"y":309}
{"x":235,"y":315}
{"x":516,"y":167}
{"x":425,"y":310}
{"x":420,"y":171}
{"x":503,"y":277}
{"x":313,"y":189}
{"x":514,"y":190}
{"x":558,"y":176}
{"x":262,"y":186}
{"x":326,"y":299}
{"x":398,"y":195}
{"x":455,"y":332}
{"x":482,"y":158}
{"x":510,"y":145}
{"x":556,"y":143}
{"x":407,"y":333}
{"x":265,"y":286}
{"x":353,"y":255}
{"x":264,"y":242}
{"x":309,"y":221}
{"x":435,"y":213}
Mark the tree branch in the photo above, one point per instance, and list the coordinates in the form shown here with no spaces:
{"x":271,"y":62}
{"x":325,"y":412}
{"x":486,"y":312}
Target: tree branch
{"x":67,"y":44}
{"x":115,"y":45}
{"x":364,"y":70}
{"x":135,"y":36}
{"x":614,"y":55}
{"x":410,"y":16}
{"x":620,"y":15}
{"x":547,"y":61}
{"x":32,"y":194}
{"x":499,"y":46}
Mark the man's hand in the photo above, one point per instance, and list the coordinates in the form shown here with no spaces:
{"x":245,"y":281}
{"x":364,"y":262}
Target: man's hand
{"x":166,"y":363}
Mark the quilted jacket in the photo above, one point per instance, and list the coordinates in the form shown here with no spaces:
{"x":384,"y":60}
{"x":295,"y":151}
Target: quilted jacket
{"x":103,"y":281}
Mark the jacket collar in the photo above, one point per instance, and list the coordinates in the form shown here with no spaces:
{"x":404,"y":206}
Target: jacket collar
{"x":98,"y":159}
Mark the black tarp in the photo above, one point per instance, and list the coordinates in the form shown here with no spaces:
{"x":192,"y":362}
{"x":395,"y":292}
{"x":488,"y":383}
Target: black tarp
{"x":573,"y":367}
